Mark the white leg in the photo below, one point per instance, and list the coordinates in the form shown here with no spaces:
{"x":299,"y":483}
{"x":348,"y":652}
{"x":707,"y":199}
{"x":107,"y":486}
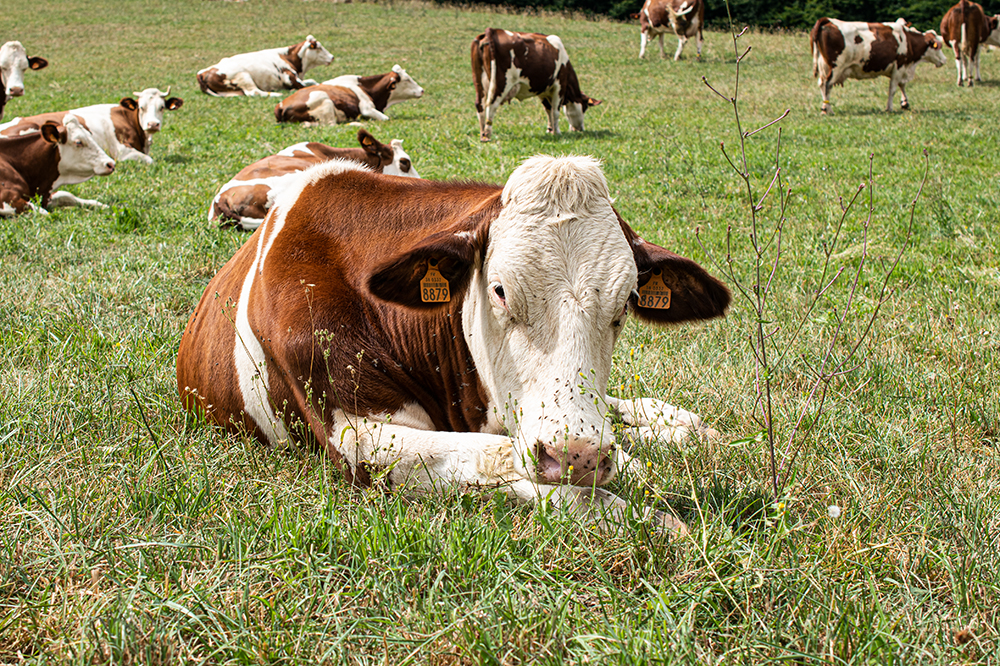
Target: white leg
{"x":892,"y":92}
{"x":642,"y":44}
{"x":904,"y":103}
{"x":368,"y":110}
{"x":958,"y":71}
{"x":61,"y":198}
{"x":680,"y":47}
{"x":652,"y":419}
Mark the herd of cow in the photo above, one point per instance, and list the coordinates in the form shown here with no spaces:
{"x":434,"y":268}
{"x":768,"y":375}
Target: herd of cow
{"x":425,"y":333}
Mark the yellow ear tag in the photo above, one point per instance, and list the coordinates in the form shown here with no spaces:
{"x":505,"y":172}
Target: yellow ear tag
{"x":655,"y":294}
{"x":433,"y":286}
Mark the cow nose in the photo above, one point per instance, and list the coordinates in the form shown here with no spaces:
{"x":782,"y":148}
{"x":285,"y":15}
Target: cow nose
{"x":110,"y":166}
{"x":16,"y":91}
{"x":576,"y":461}
{"x":153,"y":127}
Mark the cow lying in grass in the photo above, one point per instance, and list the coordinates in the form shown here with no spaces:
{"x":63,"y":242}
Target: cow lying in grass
{"x":347,"y":98}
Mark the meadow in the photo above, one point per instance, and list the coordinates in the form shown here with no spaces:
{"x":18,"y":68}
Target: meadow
{"x":133,"y":534}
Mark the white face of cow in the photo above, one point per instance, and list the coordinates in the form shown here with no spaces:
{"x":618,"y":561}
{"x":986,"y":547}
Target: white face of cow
{"x":542,"y":317}
{"x":314,"y":55}
{"x":80,"y":158}
{"x":13,"y":64}
{"x":406,"y":88}
{"x":935,"y":50}
{"x":401,"y":163}
{"x":574,"y":113}
{"x":152,"y":103}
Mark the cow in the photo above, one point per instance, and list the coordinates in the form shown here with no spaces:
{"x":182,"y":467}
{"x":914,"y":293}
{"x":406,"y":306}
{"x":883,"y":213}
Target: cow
{"x":124,"y":131}
{"x":844,"y":50}
{"x":518,"y":65}
{"x":965,"y":28}
{"x":431,"y":334}
{"x":263,"y":73}
{"x":14,"y":62}
{"x":35,"y":164}
{"x":348,"y":97}
{"x":684,"y":17}
{"x":246,"y":198}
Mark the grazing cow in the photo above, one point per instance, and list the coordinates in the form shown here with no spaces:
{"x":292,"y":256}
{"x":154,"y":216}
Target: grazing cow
{"x":261,"y":73}
{"x":124,"y":130}
{"x":35,"y":164}
{"x":246,"y":198}
{"x":844,"y":50}
{"x":518,"y":65}
{"x":965,"y":28}
{"x":348,"y":97}
{"x":429,"y":333}
{"x":684,"y":17}
{"x":14,"y":62}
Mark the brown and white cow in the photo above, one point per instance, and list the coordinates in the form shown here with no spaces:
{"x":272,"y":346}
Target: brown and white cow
{"x":14,"y":62}
{"x":124,"y":130}
{"x":432,"y":334}
{"x":517,"y":65}
{"x":684,"y":17}
{"x":348,"y":97}
{"x":844,"y":50}
{"x":965,"y":28}
{"x":262,"y":73}
{"x":246,"y":198}
{"x":35,"y":164}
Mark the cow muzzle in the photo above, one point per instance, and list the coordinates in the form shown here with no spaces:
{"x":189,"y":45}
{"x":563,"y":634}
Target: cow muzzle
{"x":574,"y":461}
{"x":16,"y":91}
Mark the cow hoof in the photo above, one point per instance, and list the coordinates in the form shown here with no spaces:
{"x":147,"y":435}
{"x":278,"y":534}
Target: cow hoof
{"x":484,"y":138}
{"x":905,"y":106}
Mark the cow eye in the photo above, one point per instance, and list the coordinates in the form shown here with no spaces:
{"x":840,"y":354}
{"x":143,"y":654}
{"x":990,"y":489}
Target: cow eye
{"x":404,"y":165}
{"x":79,"y":144}
{"x":497,"y":290}
{"x":620,"y":319}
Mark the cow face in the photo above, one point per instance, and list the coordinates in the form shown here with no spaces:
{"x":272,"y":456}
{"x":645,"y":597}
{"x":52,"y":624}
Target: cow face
{"x":151,"y":103}
{"x":935,"y":49}
{"x":80,"y":158}
{"x":404,"y":88}
{"x":401,"y":164}
{"x":314,"y":55}
{"x":14,"y":61}
{"x":546,"y":287}
{"x":575,"y":111}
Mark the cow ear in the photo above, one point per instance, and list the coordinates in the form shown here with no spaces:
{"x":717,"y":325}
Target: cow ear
{"x":370,"y":144}
{"x":129,"y":103}
{"x":52,"y":132}
{"x":37,"y":63}
{"x":593,"y":102}
{"x":687,"y":293}
{"x":431,"y":275}
{"x":174,"y":103}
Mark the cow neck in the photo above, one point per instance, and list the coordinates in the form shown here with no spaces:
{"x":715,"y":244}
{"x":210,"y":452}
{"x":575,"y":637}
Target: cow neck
{"x":128,"y":131}
{"x":293,"y":58}
{"x":36,"y":160}
{"x":377,"y":87}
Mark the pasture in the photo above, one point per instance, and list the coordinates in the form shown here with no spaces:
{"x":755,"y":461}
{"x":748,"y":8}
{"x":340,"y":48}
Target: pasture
{"x":132,"y":534}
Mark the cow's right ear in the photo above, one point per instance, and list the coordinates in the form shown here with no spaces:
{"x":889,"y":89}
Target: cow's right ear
{"x":37,"y":63}
{"x":129,"y":103}
{"x":373,"y":146}
{"x":432,"y":274}
{"x":173,"y":103}
{"x":52,"y":131}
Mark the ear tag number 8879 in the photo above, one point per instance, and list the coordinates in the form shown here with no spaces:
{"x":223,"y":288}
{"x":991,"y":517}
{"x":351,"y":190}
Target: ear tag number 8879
{"x":655,"y":294}
{"x":433,"y":286}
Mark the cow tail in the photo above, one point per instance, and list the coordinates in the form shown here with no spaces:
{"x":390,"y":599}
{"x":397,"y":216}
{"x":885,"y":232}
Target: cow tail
{"x":491,"y":41}
{"x":964,"y":43}
{"x":814,"y":36}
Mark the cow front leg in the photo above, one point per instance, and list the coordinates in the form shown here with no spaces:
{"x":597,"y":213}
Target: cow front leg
{"x":904,"y":103}
{"x":681,"y":41}
{"x":67,"y":199}
{"x":651,"y":419}
{"x":552,"y":113}
{"x":643,"y":38}
{"x":245,"y":83}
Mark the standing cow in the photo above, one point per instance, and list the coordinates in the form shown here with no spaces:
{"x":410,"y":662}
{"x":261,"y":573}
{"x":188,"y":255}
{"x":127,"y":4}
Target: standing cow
{"x":518,"y":65}
{"x":844,"y":50}
{"x":263,"y":73}
{"x":433,"y":334}
{"x":14,"y":62}
{"x":965,"y":28}
{"x":684,"y":17}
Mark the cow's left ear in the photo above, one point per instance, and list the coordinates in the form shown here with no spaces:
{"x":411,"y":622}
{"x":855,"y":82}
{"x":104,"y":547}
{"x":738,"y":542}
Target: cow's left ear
{"x":37,"y":63}
{"x":129,"y":103}
{"x":173,"y":103}
{"x":671,"y":288}
{"x":593,"y":102}
{"x":434,"y":273}
{"x":53,"y":132}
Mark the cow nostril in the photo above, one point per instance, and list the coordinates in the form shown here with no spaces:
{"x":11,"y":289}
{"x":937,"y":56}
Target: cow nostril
{"x":546,"y":466}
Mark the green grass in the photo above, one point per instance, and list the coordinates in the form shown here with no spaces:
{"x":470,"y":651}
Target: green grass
{"x":131,"y":534}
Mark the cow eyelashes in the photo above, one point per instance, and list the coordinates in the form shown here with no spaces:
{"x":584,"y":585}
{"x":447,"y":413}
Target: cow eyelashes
{"x":620,"y":319}
{"x":497,"y":292}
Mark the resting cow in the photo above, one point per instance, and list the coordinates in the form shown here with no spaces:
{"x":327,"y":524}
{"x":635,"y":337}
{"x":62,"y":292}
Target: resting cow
{"x":246,"y":198}
{"x":965,"y":28}
{"x":14,"y":62}
{"x":348,"y":97}
{"x":430,"y":334}
{"x":518,"y":65}
{"x":262,"y":73}
{"x":684,"y":17}
{"x":844,"y":50}
{"x":35,"y":164}
{"x":124,"y":130}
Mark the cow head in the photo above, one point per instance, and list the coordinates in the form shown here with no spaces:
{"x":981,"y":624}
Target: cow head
{"x":575,"y":111}
{"x":80,"y":158}
{"x":392,"y":158}
{"x":403,"y":88}
{"x":313,"y":54}
{"x":545,"y":288}
{"x":14,"y":62}
{"x":151,"y":103}
{"x":935,"y":49}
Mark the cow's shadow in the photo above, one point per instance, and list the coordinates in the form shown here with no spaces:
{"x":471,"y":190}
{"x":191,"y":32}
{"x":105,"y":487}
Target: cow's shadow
{"x":563,"y":137}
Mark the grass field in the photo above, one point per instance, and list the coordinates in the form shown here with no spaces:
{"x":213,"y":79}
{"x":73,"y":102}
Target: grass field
{"x":130,"y":534}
